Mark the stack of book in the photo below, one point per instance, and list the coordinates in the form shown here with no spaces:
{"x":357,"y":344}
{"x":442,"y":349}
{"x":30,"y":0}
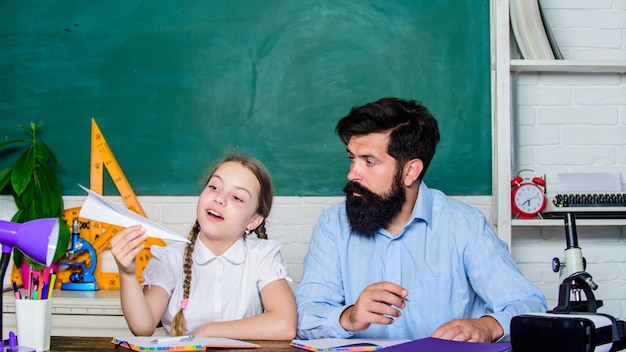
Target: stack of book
{"x":532,"y":33}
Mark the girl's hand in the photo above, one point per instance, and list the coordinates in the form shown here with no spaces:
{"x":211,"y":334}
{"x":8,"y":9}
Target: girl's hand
{"x":125,"y":246}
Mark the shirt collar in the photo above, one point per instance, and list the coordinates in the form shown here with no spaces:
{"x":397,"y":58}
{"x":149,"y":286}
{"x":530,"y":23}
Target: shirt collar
{"x":236,"y":254}
{"x":423,"y":208}
{"x":422,"y":211}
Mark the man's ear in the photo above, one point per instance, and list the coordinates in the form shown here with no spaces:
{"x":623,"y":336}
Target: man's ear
{"x":412,"y":170}
{"x":255,"y":222}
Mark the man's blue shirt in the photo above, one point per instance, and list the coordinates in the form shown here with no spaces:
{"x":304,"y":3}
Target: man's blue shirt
{"x":447,"y":257}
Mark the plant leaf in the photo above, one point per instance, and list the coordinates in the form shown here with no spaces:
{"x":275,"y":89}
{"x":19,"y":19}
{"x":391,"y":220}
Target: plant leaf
{"x":22,"y":170}
{"x":49,"y":179}
{"x":44,"y":150}
{"x":18,"y":201}
{"x":32,"y":212}
{"x":5,"y":177}
{"x":14,"y":141}
{"x":42,"y":155}
{"x":26,"y":202}
{"x":40,"y":199}
{"x":36,"y":188}
{"x":47,"y":192}
{"x":19,"y":217}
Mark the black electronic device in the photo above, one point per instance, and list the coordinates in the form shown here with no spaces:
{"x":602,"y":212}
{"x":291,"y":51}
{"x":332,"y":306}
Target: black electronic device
{"x":586,"y":205}
{"x":582,"y":332}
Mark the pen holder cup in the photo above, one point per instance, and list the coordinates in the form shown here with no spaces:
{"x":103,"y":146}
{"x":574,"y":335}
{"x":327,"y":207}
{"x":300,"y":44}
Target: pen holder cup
{"x":33,"y":323}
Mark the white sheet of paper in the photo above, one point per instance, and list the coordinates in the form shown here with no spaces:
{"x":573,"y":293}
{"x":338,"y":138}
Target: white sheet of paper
{"x":98,"y":208}
{"x":574,"y":182}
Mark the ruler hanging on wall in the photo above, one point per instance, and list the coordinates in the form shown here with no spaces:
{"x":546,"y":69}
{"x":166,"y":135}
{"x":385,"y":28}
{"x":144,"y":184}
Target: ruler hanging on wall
{"x":99,"y":234}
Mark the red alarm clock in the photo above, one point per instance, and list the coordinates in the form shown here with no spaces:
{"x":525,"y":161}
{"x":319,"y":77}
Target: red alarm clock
{"x":528,"y":196}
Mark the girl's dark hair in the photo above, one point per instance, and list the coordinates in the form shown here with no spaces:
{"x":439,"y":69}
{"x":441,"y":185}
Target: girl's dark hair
{"x":413,"y":131}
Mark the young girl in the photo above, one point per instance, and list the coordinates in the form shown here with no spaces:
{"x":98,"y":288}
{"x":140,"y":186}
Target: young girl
{"x":223,"y":283}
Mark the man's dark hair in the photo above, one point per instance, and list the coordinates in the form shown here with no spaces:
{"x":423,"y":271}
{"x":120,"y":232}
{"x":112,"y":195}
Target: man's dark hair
{"x":413,"y":131}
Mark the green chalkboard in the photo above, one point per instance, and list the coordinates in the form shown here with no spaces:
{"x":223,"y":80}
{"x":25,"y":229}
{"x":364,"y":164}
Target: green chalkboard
{"x":173,"y":84}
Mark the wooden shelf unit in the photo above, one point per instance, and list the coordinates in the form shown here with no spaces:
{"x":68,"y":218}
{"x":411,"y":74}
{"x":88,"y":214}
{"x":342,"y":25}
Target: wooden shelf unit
{"x":503,"y":66}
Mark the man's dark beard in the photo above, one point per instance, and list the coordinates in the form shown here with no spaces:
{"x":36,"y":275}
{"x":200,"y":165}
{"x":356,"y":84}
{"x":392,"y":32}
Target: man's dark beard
{"x":370,"y":212}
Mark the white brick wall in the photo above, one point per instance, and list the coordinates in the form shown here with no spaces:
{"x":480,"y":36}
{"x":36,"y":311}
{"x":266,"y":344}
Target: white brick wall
{"x":566,"y":122}
{"x":290,"y":222}
{"x":588,"y":30}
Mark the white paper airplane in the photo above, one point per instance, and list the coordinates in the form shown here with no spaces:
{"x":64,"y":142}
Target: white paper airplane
{"x":98,"y":208}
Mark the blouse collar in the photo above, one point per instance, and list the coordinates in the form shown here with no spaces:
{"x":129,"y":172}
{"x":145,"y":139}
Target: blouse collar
{"x":235,"y":254}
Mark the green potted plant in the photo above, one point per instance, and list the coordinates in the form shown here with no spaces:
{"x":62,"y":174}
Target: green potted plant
{"x":35,"y":187}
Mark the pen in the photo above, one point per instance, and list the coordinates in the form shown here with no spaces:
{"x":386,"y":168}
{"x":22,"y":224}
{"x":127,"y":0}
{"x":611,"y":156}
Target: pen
{"x":44,"y":291}
{"x":53,"y":278}
{"x":173,"y":339}
{"x":35,"y":289}
{"x":404,"y":298}
{"x":16,"y":292}
{"x":30,"y":281}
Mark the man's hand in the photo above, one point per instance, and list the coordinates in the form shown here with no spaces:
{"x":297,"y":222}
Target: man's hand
{"x":483,"y":329}
{"x":377,"y":304}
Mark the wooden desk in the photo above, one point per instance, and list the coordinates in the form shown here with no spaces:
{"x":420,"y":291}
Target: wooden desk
{"x":101,"y":344}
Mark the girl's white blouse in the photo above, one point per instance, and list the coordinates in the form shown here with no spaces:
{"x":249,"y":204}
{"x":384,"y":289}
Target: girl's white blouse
{"x":222,"y":288}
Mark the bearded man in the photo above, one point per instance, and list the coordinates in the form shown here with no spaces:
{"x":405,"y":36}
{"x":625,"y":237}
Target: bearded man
{"x":398,"y":259}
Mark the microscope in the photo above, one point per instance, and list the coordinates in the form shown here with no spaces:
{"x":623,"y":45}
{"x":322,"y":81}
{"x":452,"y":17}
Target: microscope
{"x":574,"y":324}
{"x":577,"y":279}
{"x":83,"y":279}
